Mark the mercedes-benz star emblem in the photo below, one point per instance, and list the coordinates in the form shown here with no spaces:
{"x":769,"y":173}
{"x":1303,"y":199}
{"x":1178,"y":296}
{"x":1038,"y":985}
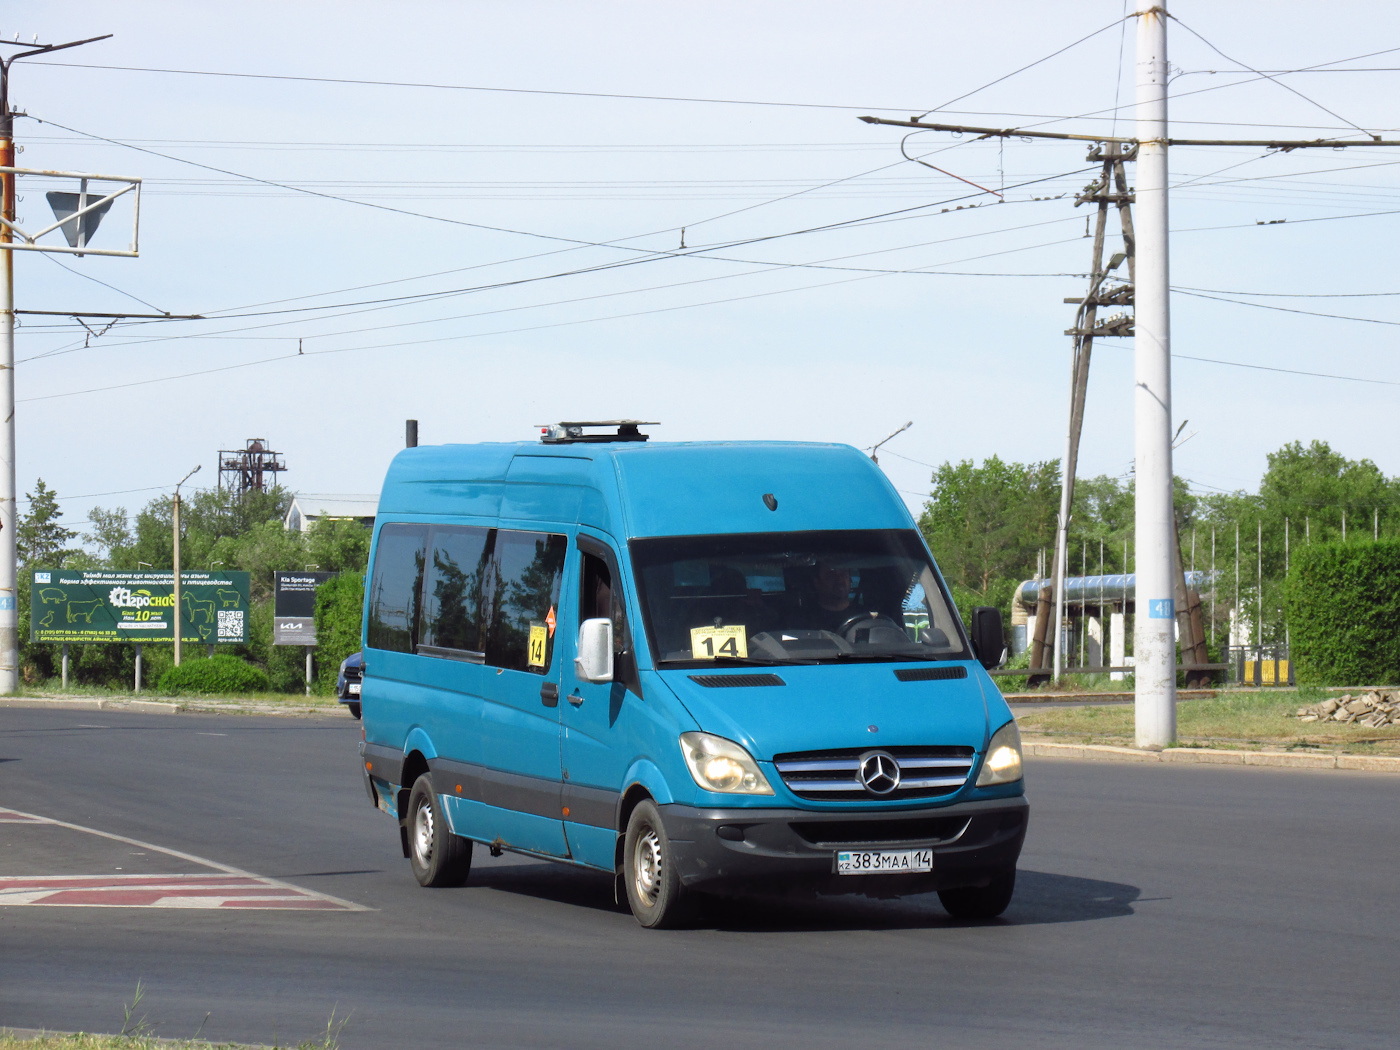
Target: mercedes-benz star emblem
{"x":879,"y":772}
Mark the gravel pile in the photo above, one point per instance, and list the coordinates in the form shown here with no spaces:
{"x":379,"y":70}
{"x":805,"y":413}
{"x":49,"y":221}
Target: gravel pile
{"x":1374,"y":709}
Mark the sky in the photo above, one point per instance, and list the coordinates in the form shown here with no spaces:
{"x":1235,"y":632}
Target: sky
{"x":828,"y":288}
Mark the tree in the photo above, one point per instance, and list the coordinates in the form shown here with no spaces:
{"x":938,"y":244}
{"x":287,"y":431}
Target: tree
{"x":986,"y":524}
{"x":40,"y":539}
{"x":111,"y":535}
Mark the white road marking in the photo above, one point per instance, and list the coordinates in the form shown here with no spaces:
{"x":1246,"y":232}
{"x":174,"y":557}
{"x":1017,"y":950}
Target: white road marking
{"x":254,"y":886}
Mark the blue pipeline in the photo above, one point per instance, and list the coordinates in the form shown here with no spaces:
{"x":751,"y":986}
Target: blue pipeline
{"x":1100,"y":588}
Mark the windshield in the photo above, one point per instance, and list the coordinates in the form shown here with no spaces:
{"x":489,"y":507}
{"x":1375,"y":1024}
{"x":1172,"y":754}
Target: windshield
{"x":794,"y":597}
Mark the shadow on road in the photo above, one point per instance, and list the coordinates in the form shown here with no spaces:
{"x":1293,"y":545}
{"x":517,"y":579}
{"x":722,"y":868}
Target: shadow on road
{"x":1041,"y":898}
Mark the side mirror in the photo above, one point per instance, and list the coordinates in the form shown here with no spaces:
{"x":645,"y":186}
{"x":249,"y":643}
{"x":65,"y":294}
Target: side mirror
{"x":594,"y":662}
{"x":988,"y":639}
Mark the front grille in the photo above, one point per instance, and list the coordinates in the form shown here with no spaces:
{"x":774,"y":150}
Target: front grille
{"x":872,"y":832}
{"x":735,"y":681}
{"x":833,"y":776}
{"x":353,"y":674}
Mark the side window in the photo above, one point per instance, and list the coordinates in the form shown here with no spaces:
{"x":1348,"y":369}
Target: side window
{"x":600,"y":596}
{"x":521,"y":594}
{"x":396,"y":588}
{"x":452,"y":606}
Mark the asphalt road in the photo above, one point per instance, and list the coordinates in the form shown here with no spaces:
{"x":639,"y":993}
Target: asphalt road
{"x":1157,"y":906}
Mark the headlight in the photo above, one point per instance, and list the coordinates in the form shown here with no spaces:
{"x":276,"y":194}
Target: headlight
{"x":1003,"y":762}
{"x":722,"y":765}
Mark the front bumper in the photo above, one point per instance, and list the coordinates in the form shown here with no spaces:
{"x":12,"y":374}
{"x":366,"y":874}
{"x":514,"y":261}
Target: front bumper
{"x":735,"y":848}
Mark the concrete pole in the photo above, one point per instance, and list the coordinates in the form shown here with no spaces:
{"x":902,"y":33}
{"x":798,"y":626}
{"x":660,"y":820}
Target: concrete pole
{"x":309,"y":651}
{"x":137,"y":684}
{"x":9,"y":520}
{"x":175,"y":591}
{"x":1155,"y":642}
{"x":65,"y":667}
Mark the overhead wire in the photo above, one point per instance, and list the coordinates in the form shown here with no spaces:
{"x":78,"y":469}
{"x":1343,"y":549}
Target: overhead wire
{"x":1266,"y":76}
{"x":1022,"y":69}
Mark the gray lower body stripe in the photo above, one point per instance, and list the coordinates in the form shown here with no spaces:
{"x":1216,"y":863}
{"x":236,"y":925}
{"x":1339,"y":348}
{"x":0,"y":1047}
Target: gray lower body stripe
{"x":589,"y":805}
{"x":539,"y":796}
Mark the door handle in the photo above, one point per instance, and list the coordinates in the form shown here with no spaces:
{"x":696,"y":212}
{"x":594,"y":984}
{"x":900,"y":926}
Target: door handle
{"x":576,"y":699}
{"x":549,"y":694}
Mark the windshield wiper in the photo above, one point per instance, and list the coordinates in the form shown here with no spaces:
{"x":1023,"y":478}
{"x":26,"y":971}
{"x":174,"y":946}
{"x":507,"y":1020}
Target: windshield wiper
{"x":889,"y":656}
{"x":739,"y":661}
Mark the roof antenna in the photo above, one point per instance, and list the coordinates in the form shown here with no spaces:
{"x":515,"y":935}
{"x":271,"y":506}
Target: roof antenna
{"x":682,"y":236}
{"x":876,"y":447}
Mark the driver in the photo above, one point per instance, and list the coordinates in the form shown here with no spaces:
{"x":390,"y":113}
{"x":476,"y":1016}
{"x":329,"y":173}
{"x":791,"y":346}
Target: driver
{"x":834,"y":605}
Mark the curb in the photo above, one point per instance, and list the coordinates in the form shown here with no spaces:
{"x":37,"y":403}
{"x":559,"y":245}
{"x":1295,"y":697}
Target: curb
{"x":150,"y":707}
{"x":161,"y":707}
{"x":1202,"y":756}
{"x":1056,"y":698}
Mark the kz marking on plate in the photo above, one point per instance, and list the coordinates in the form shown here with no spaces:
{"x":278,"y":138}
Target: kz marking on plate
{"x":882,"y":861}
{"x":706,"y":643}
{"x":354,"y":688}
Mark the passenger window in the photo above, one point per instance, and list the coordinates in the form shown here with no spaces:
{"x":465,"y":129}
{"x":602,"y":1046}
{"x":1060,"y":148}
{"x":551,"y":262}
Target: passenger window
{"x":600,"y":597}
{"x":396,"y":588}
{"x":452,"y":608}
{"x":521,"y":592}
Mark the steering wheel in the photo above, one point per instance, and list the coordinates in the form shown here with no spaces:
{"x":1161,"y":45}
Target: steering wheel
{"x":869,"y":614}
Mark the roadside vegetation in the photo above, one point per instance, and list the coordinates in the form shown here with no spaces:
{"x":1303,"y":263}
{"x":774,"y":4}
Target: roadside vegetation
{"x":989,"y":526}
{"x":218,"y":532}
{"x":84,"y":1041}
{"x":1240,"y":720}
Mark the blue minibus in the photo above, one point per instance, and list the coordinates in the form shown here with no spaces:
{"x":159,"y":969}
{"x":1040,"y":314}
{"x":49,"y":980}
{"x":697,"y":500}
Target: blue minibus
{"x":702,"y":667}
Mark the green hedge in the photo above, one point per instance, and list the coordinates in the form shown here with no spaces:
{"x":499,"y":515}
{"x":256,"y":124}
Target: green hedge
{"x":339,"y":608}
{"x":220,"y":673}
{"x":1343,"y":603}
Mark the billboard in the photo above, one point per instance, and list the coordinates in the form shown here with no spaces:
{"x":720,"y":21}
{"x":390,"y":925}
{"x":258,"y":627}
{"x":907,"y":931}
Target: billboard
{"x":68,"y":605}
{"x":294,"y":606}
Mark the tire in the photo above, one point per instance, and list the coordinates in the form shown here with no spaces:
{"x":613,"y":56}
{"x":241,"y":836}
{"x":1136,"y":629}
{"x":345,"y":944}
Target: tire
{"x":438,"y":857}
{"x":654,"y":890}
{"x":354,"y":707}
{"x":980,"y":902}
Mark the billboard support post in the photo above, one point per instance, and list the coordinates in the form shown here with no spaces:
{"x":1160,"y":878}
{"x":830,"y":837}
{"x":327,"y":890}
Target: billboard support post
{"x":65,"y":667}
{"x":175,"y":527}
{"x":309,"y":650}
{"x":137,"y":686}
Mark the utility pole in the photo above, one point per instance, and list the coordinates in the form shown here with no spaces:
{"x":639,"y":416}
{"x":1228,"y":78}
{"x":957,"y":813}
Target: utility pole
{"x":1110,"y":188}
{"x":175,"y":591}
{"x":1155,"y":641}
{"x":9,"y":490}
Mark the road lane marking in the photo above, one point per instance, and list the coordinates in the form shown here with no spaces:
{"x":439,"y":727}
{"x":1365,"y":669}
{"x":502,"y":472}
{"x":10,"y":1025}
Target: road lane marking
{"x":250,"y":889}
{"x":157,"y":891}
{"x":9,"y":816}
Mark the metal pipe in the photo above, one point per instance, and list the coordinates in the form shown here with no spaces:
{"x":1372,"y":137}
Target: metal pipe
{"x":1154,"y":524}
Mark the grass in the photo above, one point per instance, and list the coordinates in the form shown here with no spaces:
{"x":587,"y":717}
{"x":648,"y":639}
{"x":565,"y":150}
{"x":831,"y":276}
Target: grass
{"x":136,"y":1034}
{"x":1231,"y":720}
{"x":86,"y":1041}
{"x":53,"y":688}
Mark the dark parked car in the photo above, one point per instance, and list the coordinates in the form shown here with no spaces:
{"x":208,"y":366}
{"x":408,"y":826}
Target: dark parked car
{"x":347,"y":683}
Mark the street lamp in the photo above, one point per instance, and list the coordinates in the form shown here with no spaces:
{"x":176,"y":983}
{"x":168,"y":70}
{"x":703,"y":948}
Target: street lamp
{"x":175,"y":529}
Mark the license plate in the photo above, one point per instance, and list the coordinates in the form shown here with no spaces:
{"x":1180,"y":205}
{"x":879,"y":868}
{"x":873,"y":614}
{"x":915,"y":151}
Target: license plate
{"x":880,"y":861}
{"x":353,"y":688}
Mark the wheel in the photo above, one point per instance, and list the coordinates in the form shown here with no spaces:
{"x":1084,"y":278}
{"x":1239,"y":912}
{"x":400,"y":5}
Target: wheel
{"x":980,"y":902}
{"x":354,"y":707}
{"x":438,"y":857}
{"x":654,"y":890}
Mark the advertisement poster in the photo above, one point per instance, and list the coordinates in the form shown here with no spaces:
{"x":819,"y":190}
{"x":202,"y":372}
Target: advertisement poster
{"x":82,"y":607}
{"x":294,"y":606}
